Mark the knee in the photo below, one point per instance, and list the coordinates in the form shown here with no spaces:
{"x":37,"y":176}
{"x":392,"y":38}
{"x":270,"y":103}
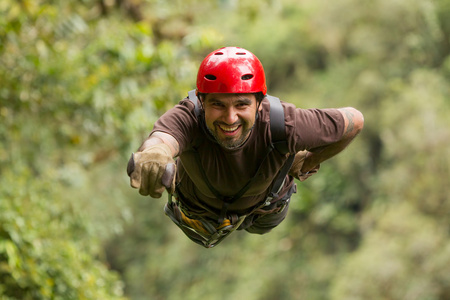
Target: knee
{"x":265,"y":225}
{"x":259,"y":230}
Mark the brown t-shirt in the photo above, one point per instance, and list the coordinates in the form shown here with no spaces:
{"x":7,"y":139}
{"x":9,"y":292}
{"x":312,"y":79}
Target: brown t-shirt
{"x":229,"y":170}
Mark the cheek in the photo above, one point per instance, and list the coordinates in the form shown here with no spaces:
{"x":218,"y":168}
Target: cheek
{"x":249,"y":117}
{"x":210,"y":117}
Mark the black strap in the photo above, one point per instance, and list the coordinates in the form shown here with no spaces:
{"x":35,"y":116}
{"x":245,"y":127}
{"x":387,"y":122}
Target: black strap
{"x":277,"y":125}
{"x":279,"y":141}
{"x":280,"y":179}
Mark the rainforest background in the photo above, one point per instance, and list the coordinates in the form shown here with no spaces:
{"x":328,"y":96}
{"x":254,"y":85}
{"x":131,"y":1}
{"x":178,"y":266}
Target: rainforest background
{"x":82,"y":82}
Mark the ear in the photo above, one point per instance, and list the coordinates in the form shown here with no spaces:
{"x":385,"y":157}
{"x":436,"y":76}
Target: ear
{"x":200,"y":97}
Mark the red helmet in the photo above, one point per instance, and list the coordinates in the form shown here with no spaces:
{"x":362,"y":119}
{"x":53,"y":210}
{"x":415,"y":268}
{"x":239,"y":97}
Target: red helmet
{"x":231,"y":70}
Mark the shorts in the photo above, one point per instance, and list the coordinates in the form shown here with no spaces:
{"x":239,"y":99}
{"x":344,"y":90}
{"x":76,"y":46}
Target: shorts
{"x":264,"y":223}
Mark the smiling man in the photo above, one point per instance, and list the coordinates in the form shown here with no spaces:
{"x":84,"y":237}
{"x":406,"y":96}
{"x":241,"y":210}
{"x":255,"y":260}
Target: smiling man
{"x":238,"y":150}
{"x":230,"y":117}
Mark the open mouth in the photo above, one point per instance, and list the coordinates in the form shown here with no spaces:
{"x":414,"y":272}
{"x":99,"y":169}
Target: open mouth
{"x":229,"y":130}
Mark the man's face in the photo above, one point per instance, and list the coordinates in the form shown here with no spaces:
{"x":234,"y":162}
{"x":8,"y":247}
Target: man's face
{"x":230,"y":117}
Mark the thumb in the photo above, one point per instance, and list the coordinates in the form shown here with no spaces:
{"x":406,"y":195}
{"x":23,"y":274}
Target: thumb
{"x":168,"y":178}
{"x":134,"y":172}
{"x":130,"y":166}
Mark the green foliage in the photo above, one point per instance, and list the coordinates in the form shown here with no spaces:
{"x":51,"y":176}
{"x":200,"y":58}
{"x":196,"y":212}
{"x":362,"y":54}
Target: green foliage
{"x":388,"y":59}
{"x":79,"y":85}
{"x":46,"y":251}
{"x":412,"y":263}
{"x":83,"y":82}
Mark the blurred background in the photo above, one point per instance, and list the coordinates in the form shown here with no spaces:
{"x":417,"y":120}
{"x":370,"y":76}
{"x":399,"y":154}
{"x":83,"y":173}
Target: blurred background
{"x":82,"y":82}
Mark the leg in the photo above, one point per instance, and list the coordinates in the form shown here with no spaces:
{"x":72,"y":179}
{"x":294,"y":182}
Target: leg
{"x":261,"y":224}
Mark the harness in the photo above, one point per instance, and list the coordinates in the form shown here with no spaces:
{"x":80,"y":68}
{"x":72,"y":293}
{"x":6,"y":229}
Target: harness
{"x":201,"y":230}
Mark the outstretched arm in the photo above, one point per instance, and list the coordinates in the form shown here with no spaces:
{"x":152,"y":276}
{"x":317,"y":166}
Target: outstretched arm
{"x":354,"y":122}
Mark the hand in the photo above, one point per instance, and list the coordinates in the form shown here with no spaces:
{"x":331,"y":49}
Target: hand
{"x":304,"y":176}
{"x":297,"y":165}
{"x":152,"y":170}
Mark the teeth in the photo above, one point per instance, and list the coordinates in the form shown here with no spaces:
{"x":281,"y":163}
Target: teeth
{"x":229,"y":129}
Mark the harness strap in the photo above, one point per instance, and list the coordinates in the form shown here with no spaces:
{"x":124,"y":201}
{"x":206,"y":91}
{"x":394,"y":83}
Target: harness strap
{"x":200,"y":230}
{"x":229,"y":200}
{"x":279,"y":141}
{"x":277,"y":126}
{"x":193,"y":97}
{"x":280,"y":179}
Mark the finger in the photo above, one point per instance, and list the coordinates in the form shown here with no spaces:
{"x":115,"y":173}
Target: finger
{"x":151,"y":180}
{"x":157,"y":193}
{"x":156,"y":188}
{"x":146,"y":178}
{"x":169,"y":176}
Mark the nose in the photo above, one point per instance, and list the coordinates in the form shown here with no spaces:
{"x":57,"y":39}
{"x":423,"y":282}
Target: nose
{"x":230,"y":116}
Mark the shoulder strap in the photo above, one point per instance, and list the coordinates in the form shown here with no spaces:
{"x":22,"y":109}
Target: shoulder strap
{"x":193,"y":97}
{"x":279,"y":141}
{"x":277,"y":125}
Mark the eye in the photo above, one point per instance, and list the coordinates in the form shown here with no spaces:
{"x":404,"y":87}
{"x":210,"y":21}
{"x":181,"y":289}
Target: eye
{"x":242,"y":105}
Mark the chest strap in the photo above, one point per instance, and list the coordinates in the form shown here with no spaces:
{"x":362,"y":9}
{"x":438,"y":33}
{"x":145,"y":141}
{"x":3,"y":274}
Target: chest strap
{"x":227,"y":200}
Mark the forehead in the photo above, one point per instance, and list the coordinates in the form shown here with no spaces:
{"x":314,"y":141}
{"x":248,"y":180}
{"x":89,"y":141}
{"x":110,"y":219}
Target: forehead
{"x":226,"y":97}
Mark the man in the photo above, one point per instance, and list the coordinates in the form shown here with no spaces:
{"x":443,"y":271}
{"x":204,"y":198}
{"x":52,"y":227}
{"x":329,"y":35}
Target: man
{"x":231,"y":171}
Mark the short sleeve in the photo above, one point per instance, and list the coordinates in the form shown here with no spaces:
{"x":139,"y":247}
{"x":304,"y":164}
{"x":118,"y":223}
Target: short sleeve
{"x":180,"y":122}
{"x":312,"y":128}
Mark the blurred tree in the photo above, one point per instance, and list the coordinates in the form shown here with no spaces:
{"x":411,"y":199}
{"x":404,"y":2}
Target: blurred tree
{"x":83,"y":82}
{"x":78,"y":86}
{"x":391,"y":61}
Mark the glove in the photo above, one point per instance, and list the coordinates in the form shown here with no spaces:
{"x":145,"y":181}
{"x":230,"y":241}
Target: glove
{"x":152,"y":170}
{"x":296,"y":169}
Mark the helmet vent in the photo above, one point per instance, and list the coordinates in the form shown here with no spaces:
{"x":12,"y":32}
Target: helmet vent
{"x":241,"y":53}
{"x":218,"y":53}
{"x":247,"y":76}
{"x":210,"y":77}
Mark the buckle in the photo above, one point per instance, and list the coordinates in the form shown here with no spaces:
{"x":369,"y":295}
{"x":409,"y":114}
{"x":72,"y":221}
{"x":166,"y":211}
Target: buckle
{"x":283,"y":206}
{"x":269,"y":199}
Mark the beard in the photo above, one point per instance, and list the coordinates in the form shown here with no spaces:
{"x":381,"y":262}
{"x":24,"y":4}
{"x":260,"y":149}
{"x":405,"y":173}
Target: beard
{"x":231,"y":143}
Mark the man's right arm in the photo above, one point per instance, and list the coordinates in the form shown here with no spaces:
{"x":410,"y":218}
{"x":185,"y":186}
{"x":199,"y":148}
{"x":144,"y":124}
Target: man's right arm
{"x":159,"y":137}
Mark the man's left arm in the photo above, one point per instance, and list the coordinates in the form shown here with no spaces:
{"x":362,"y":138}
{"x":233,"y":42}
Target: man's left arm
{"x":353,"y":124}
